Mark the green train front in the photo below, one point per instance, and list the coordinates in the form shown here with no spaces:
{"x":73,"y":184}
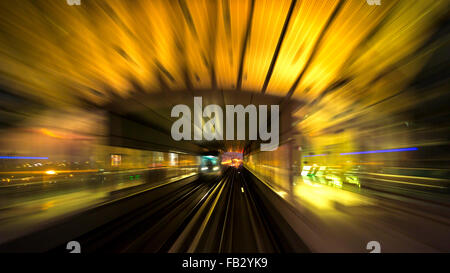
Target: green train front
{"x":210,"y":165}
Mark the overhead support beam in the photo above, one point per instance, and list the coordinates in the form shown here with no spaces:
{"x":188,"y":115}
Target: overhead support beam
{"x":316,"y":47}
{"x":214,"y":25}
{"x":188,"y":18}
{"x":244,"y":47}
{"x":279,"y":44}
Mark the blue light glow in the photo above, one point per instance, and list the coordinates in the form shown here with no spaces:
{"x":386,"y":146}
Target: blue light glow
{"x":22,"y":157}
{"x":382,"y":151}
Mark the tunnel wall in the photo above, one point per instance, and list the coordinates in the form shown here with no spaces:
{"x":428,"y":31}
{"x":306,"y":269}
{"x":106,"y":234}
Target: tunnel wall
{"x":272,"y":167}
{"x":125,"y":132}
{"x":78,"y":140}
{"x":400,"y":157}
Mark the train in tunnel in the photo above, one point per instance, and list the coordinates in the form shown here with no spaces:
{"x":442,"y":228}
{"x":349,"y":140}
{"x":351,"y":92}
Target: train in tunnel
{"x":230,"y":127}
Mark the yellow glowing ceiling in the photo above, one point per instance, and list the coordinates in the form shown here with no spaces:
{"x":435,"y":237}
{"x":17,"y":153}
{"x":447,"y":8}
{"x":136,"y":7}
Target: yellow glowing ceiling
{"x":59,"y":52}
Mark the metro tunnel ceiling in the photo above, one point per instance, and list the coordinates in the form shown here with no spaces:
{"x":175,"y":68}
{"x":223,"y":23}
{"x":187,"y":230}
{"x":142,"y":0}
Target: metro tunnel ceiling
{"x":342,"y":63}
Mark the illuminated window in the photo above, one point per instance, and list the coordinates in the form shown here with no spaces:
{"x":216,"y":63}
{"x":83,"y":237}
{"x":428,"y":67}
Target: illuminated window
{"x":173,"y":159}
{"x":116,"y":160}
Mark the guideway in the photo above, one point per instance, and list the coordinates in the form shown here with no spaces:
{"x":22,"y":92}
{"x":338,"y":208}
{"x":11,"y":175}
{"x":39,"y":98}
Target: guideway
{"x":224,"y":214}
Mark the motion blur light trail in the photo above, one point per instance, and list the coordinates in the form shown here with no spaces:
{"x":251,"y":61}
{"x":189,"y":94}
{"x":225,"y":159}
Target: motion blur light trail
{"x":86,"y":152}
{"x":381,"y":151}
{"x":22,"y":157}
{"x":314,"y":155}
